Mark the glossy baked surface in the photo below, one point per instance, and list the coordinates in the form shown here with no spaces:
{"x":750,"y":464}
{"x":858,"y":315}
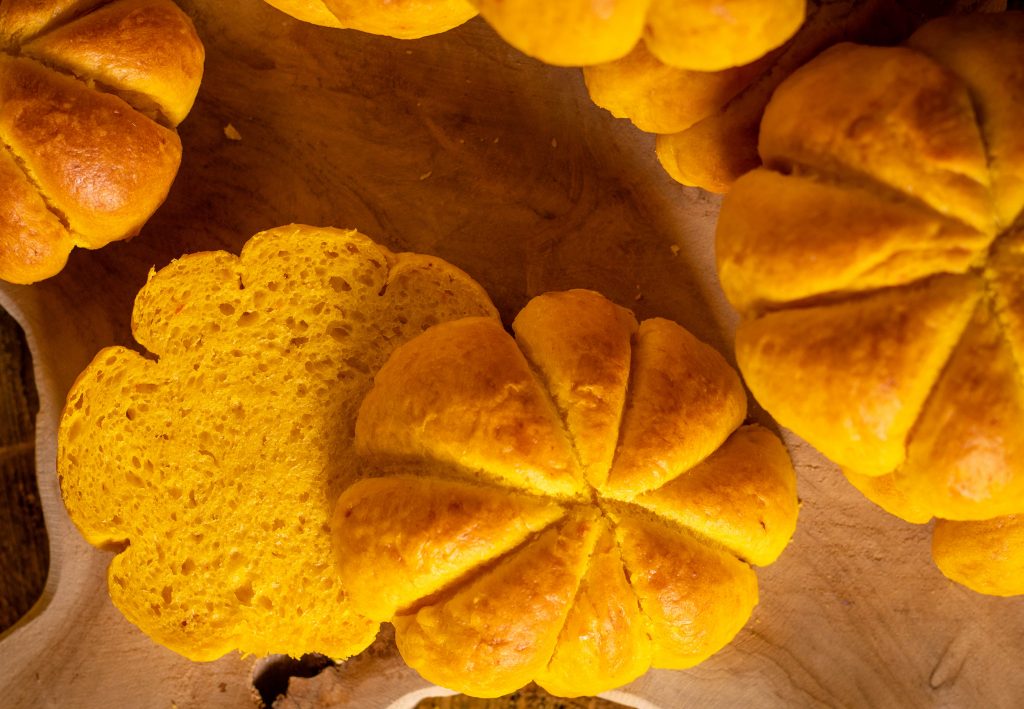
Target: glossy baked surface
{"x":877,"y":259}
{"x":572,"y":505}
{"x":90,"y":94}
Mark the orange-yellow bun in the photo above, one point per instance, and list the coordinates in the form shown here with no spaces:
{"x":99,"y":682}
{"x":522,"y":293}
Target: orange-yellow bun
{"x":571,"y":505}
{"x":660,"y":98}
{"x":710,"y":140}
{"x":404,"y":19}
{"x":986,"y":556}
{"x":89,"y":99}
{"x":697,"y":35}
{"x":878,"y":261}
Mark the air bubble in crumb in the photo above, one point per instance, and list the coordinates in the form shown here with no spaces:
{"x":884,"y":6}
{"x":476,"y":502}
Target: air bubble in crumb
{"x":231,"y":133}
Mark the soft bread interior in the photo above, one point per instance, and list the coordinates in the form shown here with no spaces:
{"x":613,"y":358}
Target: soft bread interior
{"x":217,"y":459}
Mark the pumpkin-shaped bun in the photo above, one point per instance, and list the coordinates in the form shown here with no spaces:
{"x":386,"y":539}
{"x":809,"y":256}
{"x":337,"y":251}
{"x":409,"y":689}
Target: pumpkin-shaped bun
{"x":213,"y":462}
{"x":690,"y":34}
{"x":707,"y":121}
{"x":404,"y":19}
{"x":878,"y":259}
{"x":90,"y":94}
{"x":570,"y":506}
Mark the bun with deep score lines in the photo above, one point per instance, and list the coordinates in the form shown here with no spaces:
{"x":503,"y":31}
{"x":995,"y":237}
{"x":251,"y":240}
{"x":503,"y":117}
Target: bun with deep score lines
{"x":570,"y":506}
{"x":90,"y":95}
{"x":878,"y":259}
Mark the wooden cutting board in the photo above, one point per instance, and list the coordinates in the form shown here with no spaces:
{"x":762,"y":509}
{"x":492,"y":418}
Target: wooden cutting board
{"x":459,"y":146}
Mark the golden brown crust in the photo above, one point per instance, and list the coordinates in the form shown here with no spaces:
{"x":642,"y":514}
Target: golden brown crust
{"x":55,"y":124}
{"x":722,"y":146}
{"x":101,"y":166}
{"x":912,"y":128}
{"x":924,"y":391}
{"x":580,"y":343}
{"x":569,"y":32}
{"x":314,"y":11}
{"x":795,"y":237}
{"x":1005,"y":273}
{"x":714,"y":152}
{"x":694,"y":35}
{"x":965,"y":457}
{"x":684,"y":401}
{"x":145,"y":50}
{"x":986,"y":52}
{"x":462,"y":393}
{"x":986,"y":556}
{"x":688,"y":623}
{"x":743,"y":496}
{"x":405,"y":19}
{"x":852,"y":377}
{"x":21,"y":20}
{"x":660,"y":98}
{"x":433,"y":410}
{"x":604,"y":642}
{"x":711,"y":36}
{"x":889,"y":493}
{"x":404,"y":526}
{"x":34,"y":244}
{"x":496,"y":633}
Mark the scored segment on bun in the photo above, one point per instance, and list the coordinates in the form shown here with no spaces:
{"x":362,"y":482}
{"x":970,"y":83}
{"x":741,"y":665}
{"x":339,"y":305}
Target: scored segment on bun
{"x":572,"y":505}
{"x":90,"y":94}
{"x":877,"y":260}
{"x":212,"y":463}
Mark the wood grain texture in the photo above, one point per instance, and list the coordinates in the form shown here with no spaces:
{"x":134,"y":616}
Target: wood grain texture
{"x":458,"y":146}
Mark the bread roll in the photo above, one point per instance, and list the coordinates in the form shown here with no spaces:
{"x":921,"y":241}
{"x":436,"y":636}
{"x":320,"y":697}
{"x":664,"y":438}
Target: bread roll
{"x":702,"y":36}
{"x":404,"y":19}
{"x":690,"y":34}
{"x":90,"y":95}
{"x":570,"y":506}
{"x":877,"y":260}
{"x":707,"y":120}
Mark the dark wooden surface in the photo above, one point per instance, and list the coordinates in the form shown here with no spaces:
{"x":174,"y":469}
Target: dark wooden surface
{"x":24,"y":555}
